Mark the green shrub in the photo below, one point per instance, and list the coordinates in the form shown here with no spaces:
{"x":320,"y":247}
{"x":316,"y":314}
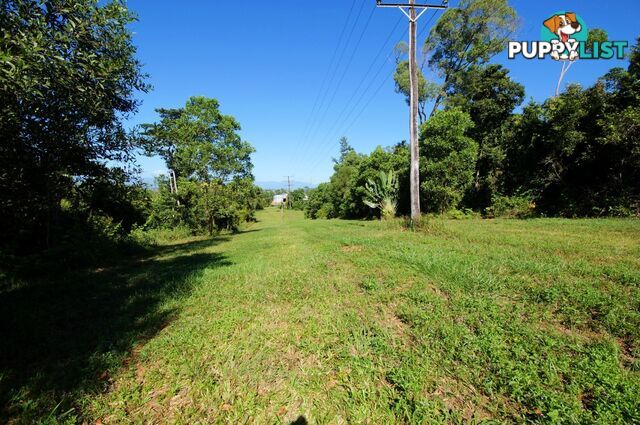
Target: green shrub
{"x":319,"y":204}
{"x":448,"y":160}
{"x":463,"y":214}
{"x":512,"y":207}
{"x":624,"y":211}
{"x":161,"y":235}
{"x":106,"y":227}
{"x":324,"y":211}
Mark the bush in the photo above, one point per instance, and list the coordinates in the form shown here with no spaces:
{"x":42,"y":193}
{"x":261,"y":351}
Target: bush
{"x":325,"y":211}
{"x":319,"y":204}
{"x":449,"y":159}
{"x":624,"y":211}
{"x":512,"y":207}
{"x":156,"y":236}
{"x":464,"y":214}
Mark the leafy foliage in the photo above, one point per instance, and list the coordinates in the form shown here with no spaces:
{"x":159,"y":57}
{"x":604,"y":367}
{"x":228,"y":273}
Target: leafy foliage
{"x":448,"y":159}
{"x":511,"y":207}
{"x":578,"y":153}
{"x":382,"y":193}
{"x":427,"y":90}
{"x":344,"y":196}
{"x":573,"y":155}
{"x":68,"y":75}
{"x":468,"y":35}
{"x":489,"y":95}
{"x":212,"y":165}
{"x":319,"y":204}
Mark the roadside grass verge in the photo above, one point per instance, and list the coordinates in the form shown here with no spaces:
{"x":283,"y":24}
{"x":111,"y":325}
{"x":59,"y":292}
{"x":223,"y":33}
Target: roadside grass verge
{"x":496,"y":321}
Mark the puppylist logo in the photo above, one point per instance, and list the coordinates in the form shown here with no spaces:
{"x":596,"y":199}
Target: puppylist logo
{"x":565,"y":37}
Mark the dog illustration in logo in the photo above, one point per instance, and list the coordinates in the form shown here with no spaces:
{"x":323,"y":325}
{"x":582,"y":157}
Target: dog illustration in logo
{"x":564,"y":26}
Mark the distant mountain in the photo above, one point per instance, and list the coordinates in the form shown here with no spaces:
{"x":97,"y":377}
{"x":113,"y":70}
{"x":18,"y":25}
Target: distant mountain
{"x":280,"y":185}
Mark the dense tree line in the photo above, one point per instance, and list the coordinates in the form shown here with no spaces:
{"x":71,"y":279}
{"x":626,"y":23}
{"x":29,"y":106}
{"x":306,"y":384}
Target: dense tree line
{"x":68,"y":179}
{"x":68,"y":78}
{"x":576,"y":154}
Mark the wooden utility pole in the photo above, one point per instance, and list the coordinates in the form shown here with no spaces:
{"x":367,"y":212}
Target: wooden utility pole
{"x":409,"y":9}
{"x":288,"y":191}
{"x":414,"y":178}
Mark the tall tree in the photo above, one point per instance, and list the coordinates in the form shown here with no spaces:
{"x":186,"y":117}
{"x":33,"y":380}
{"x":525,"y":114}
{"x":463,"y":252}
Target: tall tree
{"x":467,"y":35}
{"x":342,"y":180}
{"x":449,"y":158}
{"x":489,"y":95}
{"x":68,"y":78}
{"x":427,"y":90}
{"x":202,"y":145}
{"x":578,"y":154}
{"x":345,"y":149}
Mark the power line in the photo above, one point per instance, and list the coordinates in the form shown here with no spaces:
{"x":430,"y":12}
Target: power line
{"x":364,"y":108}
{"x":360,"y":98}
{"x":345,"y":119}
{"x":368,"y":102}
{"x":426,"y":25}
{"x":333,"y":74}
{"x":362,"y":81}
{"x":344,"y":72}
{"x":342,"y":118}
{"x":326,"y":75}
{"x":378,"y":73}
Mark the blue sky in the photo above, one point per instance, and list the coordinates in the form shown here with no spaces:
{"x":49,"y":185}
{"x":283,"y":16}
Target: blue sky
{"x":268,"y":64}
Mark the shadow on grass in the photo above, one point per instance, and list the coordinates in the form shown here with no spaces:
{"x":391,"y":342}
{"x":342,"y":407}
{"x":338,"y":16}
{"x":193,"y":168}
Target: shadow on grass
{"x":241,"y":232}
{"x":62,"y":335}
{"x":186,"y":247}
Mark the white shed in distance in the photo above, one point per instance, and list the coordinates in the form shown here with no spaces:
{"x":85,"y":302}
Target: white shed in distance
{"x":279,"y":199}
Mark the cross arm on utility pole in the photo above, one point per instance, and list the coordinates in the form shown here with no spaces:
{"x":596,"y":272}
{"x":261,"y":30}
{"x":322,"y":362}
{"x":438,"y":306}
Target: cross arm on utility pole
{"x":442,"y":5}
{"x":407,"y":7}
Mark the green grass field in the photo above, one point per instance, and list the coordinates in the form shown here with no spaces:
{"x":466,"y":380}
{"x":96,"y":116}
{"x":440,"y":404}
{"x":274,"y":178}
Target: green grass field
{"x":293,"y":320}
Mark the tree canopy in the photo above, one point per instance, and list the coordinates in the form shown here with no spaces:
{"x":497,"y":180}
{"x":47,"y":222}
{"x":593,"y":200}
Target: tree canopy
{"x":68,"y":77}
{"x":212,"y":165}
{"x":467,"y":35}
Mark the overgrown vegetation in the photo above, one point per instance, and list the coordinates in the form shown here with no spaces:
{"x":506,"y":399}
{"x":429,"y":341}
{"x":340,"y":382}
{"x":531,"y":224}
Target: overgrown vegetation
{"x":68,"y":180}
{"x":573,"y":155}
{"x":68,"y":80}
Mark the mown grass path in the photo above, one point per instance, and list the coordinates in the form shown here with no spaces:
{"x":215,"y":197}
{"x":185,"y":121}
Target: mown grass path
{"x":362,"y":322}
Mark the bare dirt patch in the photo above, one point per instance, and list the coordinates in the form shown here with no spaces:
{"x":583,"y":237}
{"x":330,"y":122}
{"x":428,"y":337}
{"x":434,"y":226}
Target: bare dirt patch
{"x":463,"y":398}
{"x":351,"y":248}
